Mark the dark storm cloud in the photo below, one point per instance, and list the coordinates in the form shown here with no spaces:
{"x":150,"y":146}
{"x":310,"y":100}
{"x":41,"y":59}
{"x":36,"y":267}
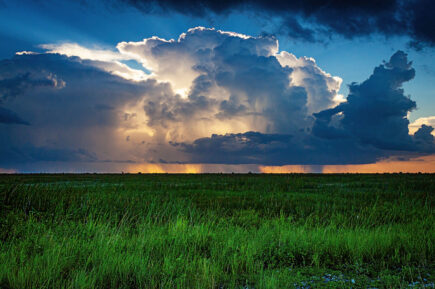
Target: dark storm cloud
{"x":295,"y":30}
{"x":278,"y":149}
{"x":350,"y":19}
{"x":14,"y":82}
{"x":375,"y":111}
{"x":371,"y":124}
{"x":52,"y":87}
{"x":424,"y":138}
{"x":71,"y":116}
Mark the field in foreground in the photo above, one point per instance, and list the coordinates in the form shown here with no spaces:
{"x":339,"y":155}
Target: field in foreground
{"x":217,"y":231}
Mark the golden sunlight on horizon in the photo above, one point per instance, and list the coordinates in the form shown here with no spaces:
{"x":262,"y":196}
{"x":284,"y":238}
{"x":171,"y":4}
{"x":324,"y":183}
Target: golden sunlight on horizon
{"x":424,"y":164}
{"x":420,"y":164}
{"x":165,"y":168}
{"x":285,"y":169}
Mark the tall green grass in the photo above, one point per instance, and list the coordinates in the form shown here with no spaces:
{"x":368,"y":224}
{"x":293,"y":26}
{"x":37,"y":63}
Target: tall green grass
{"x":214,"y":231}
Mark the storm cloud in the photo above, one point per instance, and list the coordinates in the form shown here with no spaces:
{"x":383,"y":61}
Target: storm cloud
{"x":231,"y":82}
{"x":376,"y":110}
{"x":317,"y":20}
{"x":208,"y":97}
{"x":63,"y":121}
{"x":371,"y":124}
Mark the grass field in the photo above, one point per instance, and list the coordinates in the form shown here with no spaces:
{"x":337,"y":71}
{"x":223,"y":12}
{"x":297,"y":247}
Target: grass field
{"x":217,"y":231}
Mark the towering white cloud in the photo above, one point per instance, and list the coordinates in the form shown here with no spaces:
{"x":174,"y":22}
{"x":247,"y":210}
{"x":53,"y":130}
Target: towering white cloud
{"x":228,"y":82}
{"x":223,"y":82}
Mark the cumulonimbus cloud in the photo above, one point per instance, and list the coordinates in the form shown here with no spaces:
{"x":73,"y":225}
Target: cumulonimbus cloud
{"x":208,"y":97}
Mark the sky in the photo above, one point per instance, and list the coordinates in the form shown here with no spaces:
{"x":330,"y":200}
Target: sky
{"x":217,"y":86}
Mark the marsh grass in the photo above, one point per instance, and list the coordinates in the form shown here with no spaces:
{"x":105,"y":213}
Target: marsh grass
{"x":215,"y":231}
